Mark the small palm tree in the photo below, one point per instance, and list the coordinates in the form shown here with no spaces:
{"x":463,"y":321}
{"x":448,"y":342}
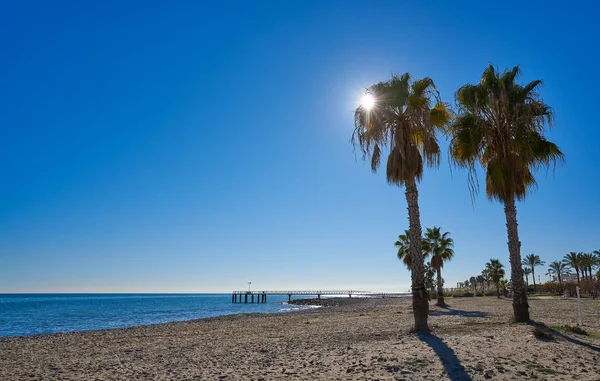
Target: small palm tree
{"x":533,"y":260}
{"x":501,"y":125}
{"x":403,"y":118}
{"x":573,"y":260}
{"x":526,"y":272}
{"x":496,"y":271}
{"x":558,"y":268}
{"x":439,"y":245}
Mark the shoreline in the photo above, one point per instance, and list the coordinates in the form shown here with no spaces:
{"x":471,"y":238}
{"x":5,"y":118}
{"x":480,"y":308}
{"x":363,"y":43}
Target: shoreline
{"x":357,"y":339}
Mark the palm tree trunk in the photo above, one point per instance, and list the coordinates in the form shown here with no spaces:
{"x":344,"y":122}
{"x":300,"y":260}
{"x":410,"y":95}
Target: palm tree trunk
{"x":420,"y":296}
{"x":533,"y":276}
{"x":498,"y":289}
{"x":440,"y":290}
{"x":520,"y":306}
{"x":577,"y":272}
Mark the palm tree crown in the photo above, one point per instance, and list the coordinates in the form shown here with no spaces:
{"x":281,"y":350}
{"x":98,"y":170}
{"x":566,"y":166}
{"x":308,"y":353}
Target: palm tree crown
{"x":403,"y":246}
{"x":501,"y":125}
{"x":439,"y":246}
{"x":403,"y":121}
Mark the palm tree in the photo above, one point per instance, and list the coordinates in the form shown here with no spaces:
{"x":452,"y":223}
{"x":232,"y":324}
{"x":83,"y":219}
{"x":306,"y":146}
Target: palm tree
{"x":558,"y":268}
{"x":526,"y":272}
{"x":439,"y":246}
{"x":501,"y":125}
{"x":533,"y":260}
{"x":429,"y":278}
{"x":473,"y":281}
{"x":481,"y":281}
{"x":496,"y":271}
{"x":574,"y":261}
{"x":403,"y":122}
{"x":485,"y":274}
{"x":403,"y":246}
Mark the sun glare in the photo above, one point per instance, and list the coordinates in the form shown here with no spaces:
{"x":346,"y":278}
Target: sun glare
{"x":368,"y":101}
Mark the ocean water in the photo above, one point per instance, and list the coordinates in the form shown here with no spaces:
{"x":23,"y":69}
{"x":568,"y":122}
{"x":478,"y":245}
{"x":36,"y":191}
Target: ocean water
{"x":32,"y":314}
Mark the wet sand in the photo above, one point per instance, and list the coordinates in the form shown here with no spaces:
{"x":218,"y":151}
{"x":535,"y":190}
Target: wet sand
{"x":344,"y":340}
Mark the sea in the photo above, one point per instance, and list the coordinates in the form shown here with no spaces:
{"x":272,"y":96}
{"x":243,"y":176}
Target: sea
{"x":34,"y":314}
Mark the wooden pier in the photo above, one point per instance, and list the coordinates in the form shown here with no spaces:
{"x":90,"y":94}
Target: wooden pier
{"x":261,"y":296}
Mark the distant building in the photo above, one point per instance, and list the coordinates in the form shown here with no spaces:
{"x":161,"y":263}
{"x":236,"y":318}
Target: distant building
{"x":565,"y":278}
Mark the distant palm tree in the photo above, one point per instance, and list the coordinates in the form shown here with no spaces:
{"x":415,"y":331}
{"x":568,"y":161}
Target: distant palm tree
{"x":558,"y":268}
{"x":500,"y":125}
{"x":485,"y":273}
{"x":527,"y":272}
{"x":496,"y":271}
{"x":403,"y":121}
{"x":439,"y":245}
{"x":473,"y":281}
{"x":574,"y":261}
{"x":589,"y":261}
{"x":481,"y":281}
{"x":533,"y":260}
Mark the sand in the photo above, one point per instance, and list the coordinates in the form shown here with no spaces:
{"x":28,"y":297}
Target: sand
{"x":351,"y":340}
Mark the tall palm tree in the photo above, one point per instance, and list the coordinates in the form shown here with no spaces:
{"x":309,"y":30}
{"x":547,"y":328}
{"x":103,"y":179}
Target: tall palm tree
{"x":526,"y":272}
{"x":403,"y":119}
{"x":558,"y":268}
{"x":574,"y":261}
{"x":496,"y":271}
{"x":533,"y":260}
{"x":501,"y":125}
{"x":439,"y":245}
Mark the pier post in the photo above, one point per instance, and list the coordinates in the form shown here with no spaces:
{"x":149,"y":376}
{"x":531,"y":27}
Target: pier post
{"x":252,"y":298}
{"x":318,"y":296}
{"x":264,"y":298}
{"x":289,"y":298}
{"x":246,"y":298}
{"x":232,"y":298}
{"x":350,"y":296}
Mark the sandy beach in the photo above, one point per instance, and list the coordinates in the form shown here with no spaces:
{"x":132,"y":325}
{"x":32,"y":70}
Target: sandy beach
{"x":344,"y":340}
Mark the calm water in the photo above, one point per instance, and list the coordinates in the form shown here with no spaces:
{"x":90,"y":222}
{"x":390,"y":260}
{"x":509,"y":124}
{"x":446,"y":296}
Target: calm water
{"x":28,"y":314}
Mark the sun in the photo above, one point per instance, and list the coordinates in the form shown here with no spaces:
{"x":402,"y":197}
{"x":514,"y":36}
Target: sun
{"x":368,"y":101}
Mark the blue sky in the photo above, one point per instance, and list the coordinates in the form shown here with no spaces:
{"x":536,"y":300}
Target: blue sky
{"x":189,"y":147}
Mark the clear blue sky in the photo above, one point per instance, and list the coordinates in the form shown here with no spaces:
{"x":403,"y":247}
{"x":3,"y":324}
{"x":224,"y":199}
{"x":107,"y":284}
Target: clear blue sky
{"x":192,"y":147}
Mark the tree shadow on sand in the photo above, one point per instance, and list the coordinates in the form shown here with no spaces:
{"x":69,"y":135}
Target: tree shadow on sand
{"x":563,"y":336}
{"x":451,"y":363}
{"x":454,"y":312}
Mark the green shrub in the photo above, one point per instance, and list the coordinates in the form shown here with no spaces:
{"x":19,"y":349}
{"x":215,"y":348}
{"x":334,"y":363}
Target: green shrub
{"x":490,"y":293}
{"x":479,"y":293}
{"x":462,"y":294}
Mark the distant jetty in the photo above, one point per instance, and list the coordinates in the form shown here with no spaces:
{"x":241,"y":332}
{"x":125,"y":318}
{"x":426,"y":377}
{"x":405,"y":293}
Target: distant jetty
{"x":261,"y":296}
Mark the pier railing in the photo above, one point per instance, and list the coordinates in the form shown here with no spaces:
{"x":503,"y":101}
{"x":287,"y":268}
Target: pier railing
{"x":261,"y":296}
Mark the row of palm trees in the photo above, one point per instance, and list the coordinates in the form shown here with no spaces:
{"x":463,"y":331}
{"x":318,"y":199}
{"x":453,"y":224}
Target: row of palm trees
{"x":582,"y":263}
{"x":435,"y":244}
{"x":498,"y":124}
{"x":493,"y":272}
